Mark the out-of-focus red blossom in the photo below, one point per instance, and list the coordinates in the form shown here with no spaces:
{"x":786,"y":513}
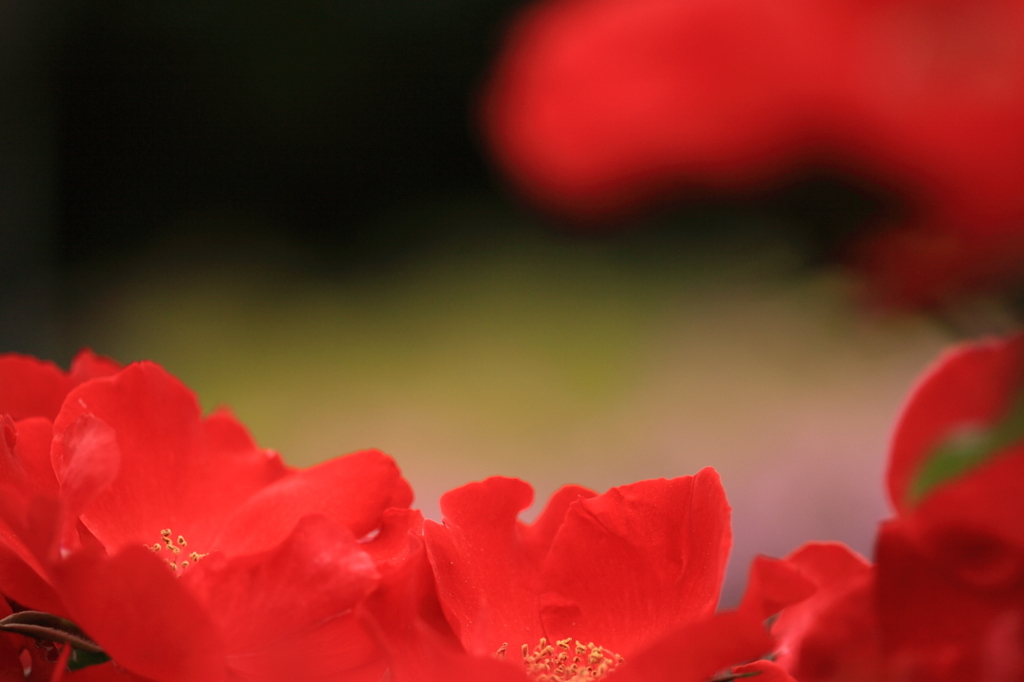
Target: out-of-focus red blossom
{"x":182,"y":549}
{"x":597,"y":107}
{"x":624,"y":583}
{"x":945,"y":598}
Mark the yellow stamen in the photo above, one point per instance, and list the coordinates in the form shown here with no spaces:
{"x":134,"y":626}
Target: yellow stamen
{"x":167,"y":537}
{"x":573,"y":661}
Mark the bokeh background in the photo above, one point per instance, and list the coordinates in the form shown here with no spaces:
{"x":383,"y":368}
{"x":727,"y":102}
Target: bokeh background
{"x":289,"y":206}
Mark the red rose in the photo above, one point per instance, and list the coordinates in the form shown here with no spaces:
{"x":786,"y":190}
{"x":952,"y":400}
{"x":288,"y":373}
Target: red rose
{"x":182,"y":549}
{"x":622,"y":584}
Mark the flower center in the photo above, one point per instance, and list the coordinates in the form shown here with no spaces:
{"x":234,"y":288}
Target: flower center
{"x":178,"y":561}
{"x":568,"y":660}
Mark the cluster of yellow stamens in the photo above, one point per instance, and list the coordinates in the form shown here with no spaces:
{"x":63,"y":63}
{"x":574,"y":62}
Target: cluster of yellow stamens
{"x":568,"y":660}
{"x":167,"y":541}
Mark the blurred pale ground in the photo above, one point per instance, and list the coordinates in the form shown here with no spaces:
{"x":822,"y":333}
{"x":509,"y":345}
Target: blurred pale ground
{"x":532,"y":354}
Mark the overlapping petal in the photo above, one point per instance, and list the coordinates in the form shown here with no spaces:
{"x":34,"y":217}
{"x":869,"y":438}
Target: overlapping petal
{"x":487,"y":564}
{"x":353,"y":491}
{"x":177,"y":470}
{"x":35,"y":388}
{"x":622,"y":570}
{"x":182,"y":549}
{"x":298,"y":598}
{"x":630,"y":565}
{"x":142,"y":615}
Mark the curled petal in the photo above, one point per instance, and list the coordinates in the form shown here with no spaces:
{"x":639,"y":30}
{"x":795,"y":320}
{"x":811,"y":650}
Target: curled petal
{"x":486,"y":566}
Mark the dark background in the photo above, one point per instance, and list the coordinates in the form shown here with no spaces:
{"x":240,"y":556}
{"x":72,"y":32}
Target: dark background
{"x":117,"y":117}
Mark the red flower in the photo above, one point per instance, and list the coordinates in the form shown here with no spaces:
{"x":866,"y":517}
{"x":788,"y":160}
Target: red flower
{"x":186,"y":552}
{"x":598,"y":107}
{"x":624,"y":581}
{"x":617,"y":569}
{"x":945,"y":599}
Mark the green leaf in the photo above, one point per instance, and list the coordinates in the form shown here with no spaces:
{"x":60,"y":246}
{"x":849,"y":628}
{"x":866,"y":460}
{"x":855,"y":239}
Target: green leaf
{"x":966,"y":450}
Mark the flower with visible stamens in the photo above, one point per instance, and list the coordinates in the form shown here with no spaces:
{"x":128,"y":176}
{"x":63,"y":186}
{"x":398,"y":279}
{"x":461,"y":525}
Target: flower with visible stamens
{"x":595,"y":573}
{"x":266,"y":567}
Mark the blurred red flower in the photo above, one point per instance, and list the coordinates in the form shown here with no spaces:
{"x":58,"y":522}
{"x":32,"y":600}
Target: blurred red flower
{"x":597,"y":107}
{"x":945,"y":598}
{"x":182,"y":549}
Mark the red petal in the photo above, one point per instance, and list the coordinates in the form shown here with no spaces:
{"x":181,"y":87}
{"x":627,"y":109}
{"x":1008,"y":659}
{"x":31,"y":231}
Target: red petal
{"x":289,"y":612}
{"x":30,"y":387}
{"x":541,"y":533}
{"x":88,"y":365}
{"x":142,"y":616}
{"x":30,"y":527}
{"x":426,"y":657}
{"x":20,"y":582}
{"x":630,"y":565}
{"x":402,"y":495}
{"x":697,"y":651}
{"x":407,"y":594}
{"x":829,"y":563}
{"x":985,"y":503}
{"x":11,"y":667}
{"x":835,"y":628}
{"x":87,"y":463}
{"x":487,"y":572}
{"x":398,"y":540}
{"x":937,"y":624}
{"x":773,"y":585}
{"x":352,"y":491}
{"x":177,"y":470}
{"x":969,"y":386}
{"x":28,"y":535}
{"x":21,"y":660}
{"x":27,"y":464}
{"x":36,"y":388}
